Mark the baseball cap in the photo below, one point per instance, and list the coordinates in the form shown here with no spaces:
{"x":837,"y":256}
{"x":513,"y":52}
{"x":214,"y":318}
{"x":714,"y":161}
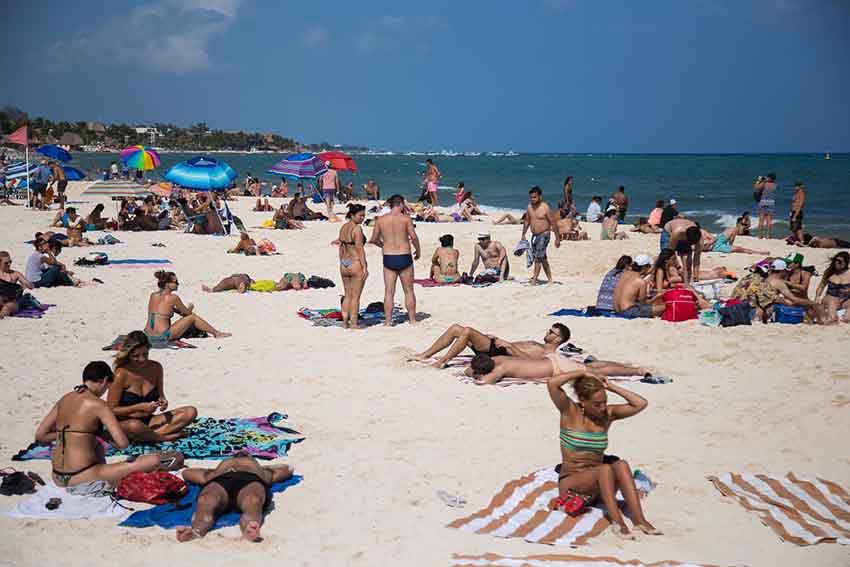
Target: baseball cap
{"x":328,"y":163}
{"x":643,"y":260}
{"x":778,"y":266}
{"x":794,"y":259}
{"x":672,"y":201}
{"x":482,"y":235}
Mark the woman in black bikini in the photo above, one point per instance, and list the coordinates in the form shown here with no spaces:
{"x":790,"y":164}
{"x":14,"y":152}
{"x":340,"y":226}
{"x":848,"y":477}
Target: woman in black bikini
{"x":352,"y":264}
{"x":836,"y":282}
{"x":138,"y":392}
{"x":238,"y":484}
{"x":73,"y":423}
{"x":12,"y":285}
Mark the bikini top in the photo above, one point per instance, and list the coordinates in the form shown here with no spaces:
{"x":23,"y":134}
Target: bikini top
{"x":10,"y":290}
{"x":584,"y":441}
{"x":129,"y":398}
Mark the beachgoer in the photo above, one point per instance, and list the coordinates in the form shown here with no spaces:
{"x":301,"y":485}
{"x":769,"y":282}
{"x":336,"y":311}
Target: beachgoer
{"x":568,"y":190}
{"x":245,"y":245}
{"x":643,"y":226}
{"x":766,"y":188}
{"x":609,"y":227}
{"x":329,"y":184}
{"x":445,"y":261}
{"x":373,"y":192}
{"x":493,"y":256}
{"x":799,"y":201}
{"x":836,"y":283}
{"x":487,"y":369}
{"x":283,"y":221}
{"x":630,"y":294}
{"x":470,"y":205}
{"x":244,"y":282}
{"x":665,"y":273}
{"x":777,"y":279}
{"x":605,"y":296}
{"x":12,"y":286}
{"x":43,"y":269}
{"x":622,"y":203}
{"x":75,"y":422}
{"x":238,"y":484}
{"x":353,"y":268}
{"x":461,"y":193}
{"x":163,"y":304}
{"x":432,"y":180}
{"x":594,"y":210}
{"x":61,"y":182}
{"x":585,"y":471}
{"x":138,"y":392}
{"x":823,"y":242}
{"x":95,"y":221}
{"x":685,"y":238}
{"x":669,"y":213}
{"x":743,"y":224}
{"x":263,"y":206}
{"x":724,"y":243}
{"x":655,"y":214}
{"x":510,"y":219}
{"x":799,"y":277}
{"x":298,"y":209}
{"x":540,"y":219}
{"x":568,"y":227}
{"x":38,"y":185}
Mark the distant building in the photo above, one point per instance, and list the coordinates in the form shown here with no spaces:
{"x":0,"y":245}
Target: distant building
{"x":144,"y":130}
{"x":71,"y":139}
{"x":96,"y":127}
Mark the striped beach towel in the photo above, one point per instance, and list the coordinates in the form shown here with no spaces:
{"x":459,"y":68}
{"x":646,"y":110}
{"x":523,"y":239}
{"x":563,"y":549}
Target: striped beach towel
{"x":800,"y":510}
{"x":521,"y":510}
{"x":493,"y":560}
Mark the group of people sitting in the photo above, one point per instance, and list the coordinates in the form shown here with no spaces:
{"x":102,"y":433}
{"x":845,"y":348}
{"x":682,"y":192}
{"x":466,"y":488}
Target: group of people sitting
{"x":490,"y":253}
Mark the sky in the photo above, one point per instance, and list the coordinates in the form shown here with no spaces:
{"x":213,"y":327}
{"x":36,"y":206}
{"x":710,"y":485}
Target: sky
{"x":535,"y":76}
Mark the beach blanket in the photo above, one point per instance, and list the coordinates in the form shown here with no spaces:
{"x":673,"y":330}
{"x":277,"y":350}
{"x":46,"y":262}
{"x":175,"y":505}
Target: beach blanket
{"x":552,"y":560}
{"x":179,"y":343}
{"x":171,"y":515}
{"x":139,"y":263}
{"x":587,"y":312}
{"x":333,"y":317}
{"x":803,"y":511}
{"x":73,"y":507}
{"x":36,"y":313}
{"x":428,"y":282}
{"x":521,"y":510}
{"x":207,"y":438}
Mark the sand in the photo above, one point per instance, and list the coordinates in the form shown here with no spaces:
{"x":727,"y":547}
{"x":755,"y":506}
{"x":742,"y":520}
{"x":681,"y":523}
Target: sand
{"x":383,"y":436}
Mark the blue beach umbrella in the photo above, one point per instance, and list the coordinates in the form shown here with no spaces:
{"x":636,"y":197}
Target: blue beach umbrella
{"x":73,"y":174}
{"x":202,"y":173}
{"x":299,"y":166}
{"x":54,"y":152}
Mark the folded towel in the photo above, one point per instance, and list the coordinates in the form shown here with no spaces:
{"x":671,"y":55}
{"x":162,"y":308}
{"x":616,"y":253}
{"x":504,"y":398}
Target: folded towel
{"x":35,"y":313}
{"x":73,"y":507}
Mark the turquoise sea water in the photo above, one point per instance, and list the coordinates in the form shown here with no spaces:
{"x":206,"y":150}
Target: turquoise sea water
{"x":713,"y":189}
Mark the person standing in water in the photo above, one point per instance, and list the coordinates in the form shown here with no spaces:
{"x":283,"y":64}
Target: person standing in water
{"x":432,"y":178}
{"x":394,"y":233}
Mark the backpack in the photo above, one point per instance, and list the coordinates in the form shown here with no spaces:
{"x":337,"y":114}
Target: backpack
{"x":732,"y":315}
{"x":318,"y":282}
{"x":157,"y":487}
{"x":681,"y":305}
{"x":788,"y":314}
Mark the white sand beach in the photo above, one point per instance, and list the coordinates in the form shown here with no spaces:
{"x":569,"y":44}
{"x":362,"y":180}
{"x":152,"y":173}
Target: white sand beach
{"x":384,"y":435}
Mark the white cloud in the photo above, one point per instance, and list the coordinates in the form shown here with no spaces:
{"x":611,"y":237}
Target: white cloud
{"x":314,"y":36}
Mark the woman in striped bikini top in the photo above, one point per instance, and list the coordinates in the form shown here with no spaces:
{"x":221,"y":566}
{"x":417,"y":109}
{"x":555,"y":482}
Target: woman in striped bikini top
{"x":585,"y":471}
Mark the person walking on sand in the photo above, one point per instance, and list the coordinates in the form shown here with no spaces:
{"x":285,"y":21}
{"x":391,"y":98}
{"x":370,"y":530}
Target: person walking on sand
{"x":394,"y":233}
{"x":432,"y":178}
{"x":329,"y":185}
{"x":538,"y":217}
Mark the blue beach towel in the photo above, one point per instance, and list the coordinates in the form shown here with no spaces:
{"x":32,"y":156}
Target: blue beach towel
{"x":169,"y":516}
{"x":138,"y":261}
{"x":588,"y":312}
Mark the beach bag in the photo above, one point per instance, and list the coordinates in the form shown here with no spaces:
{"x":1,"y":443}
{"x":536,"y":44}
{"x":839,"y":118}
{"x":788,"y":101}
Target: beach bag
{"x":732,"y":315}
{"x":157,"y":487}
{"x":788,"y":314}
{"x":709,"y":290}
{"x":93,"y":259}
{"x":318,"y":282}
{"x":681,"y":305}
{"x":709,"y":318}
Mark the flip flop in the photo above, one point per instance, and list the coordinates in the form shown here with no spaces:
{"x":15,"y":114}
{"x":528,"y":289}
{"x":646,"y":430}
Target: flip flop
{"x":452,"y":500}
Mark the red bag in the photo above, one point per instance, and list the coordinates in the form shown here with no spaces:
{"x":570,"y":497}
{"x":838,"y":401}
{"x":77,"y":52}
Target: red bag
{"x":157,"y":487}
{"x":681,"y":305}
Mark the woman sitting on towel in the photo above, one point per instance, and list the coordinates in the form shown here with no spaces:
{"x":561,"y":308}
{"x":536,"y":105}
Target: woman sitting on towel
{"x":586,"y":473}
{"x":138,"y":392}
{"x":244,"y":282}
{"x":163,"y":304}
{"x":75,"y":421}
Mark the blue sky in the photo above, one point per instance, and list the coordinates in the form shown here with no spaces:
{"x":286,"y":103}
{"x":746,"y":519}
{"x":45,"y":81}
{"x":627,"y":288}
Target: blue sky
{"x":539,"y":75}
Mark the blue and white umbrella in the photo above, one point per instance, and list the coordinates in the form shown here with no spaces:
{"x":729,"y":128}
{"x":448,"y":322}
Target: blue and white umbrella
{"x":299,"y":166}
{"x":18,"y":170}
{"x":202,"y":173}
{"x":54,"y":152}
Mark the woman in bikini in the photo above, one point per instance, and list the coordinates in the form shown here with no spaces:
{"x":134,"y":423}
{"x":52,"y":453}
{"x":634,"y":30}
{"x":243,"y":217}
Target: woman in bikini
{"x":74,"y":422}
{"x":162,"y":306}
{"x":95,"y":221}
{"x":12,"y":286}
{"x":138,"y":392}
{"x":352,"y":264}
{"x":836,"y":283}
{"x":585,"y":472}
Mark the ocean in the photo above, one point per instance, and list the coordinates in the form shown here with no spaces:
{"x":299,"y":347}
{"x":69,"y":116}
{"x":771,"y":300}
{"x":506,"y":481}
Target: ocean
{"x":712,"y":189}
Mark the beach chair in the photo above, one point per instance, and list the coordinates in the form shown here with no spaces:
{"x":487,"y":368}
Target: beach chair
{"x":191,"y":219}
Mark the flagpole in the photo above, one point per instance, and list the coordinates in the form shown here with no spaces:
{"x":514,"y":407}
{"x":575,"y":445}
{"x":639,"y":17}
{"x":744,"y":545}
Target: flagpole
{"x":27,"y":177}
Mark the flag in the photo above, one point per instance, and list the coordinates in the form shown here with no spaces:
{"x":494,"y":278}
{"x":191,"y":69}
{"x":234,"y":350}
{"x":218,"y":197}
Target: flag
{"x":19,"y":136}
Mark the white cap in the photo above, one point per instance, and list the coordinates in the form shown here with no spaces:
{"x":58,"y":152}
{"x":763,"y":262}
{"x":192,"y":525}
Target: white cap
{"x":643,"y":260}
{"x":672,"y":201}
{"x":483,"y":235}
{"x":778,"y":266}
{"x":328,"y":163}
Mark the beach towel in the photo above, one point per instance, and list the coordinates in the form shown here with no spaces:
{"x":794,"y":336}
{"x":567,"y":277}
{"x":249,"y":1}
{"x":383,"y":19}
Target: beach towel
{"x":333,"y":317}
{"x":73,"y":507}
{"x":207,"y":438}
{"x":139,"y":263}
{"x":803,"y":511}
{"x":179,"y":343}
{"x":552,"y":560}
{"x":35,"y":312}
{"x":588,"y":312}
{"x":171,"y":515}
{"x":521,"y":510}
{"x":428,"y":282}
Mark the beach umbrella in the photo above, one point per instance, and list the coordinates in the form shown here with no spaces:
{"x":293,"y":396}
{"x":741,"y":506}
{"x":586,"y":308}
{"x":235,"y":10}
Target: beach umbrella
{"x":202,"y":173}
{"x":340,"y":161}
{"x":54,"y":152}
{"x":73,"y":174}
{"x":140,"y":157}
{"x":299,"y":166}
{"x":116,"y":188}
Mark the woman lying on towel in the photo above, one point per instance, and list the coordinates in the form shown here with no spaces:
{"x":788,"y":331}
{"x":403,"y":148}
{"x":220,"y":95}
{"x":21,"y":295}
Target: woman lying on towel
{"x":162,"y":306}
{"x":586,"y":474}
{"x":78,"y":462}
{"x":244,"y":282}
{"x":138,"y":392}
{"x":238,"y":484}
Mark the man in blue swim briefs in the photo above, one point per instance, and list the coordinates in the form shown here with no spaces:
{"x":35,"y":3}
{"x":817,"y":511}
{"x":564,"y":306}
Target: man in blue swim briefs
{"x":394,"y":233}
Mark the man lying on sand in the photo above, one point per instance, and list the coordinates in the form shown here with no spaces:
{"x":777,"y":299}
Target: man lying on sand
{"x":244,"y":282}
{"x":238,"y":484}
{"x":488,"y":369}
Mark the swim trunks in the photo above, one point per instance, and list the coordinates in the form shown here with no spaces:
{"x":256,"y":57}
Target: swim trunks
{"x":61,"y":185}
{"x":328,"y":194}
{"x":432,"y":186}
{"x":796,"y":223}
{"x":721,"y":244}
{"x":665,"y":239}
{"x":493,"y":350}
{"x":398,"y":262}
{"x":539,"y":243}
{"x":638,"y":310}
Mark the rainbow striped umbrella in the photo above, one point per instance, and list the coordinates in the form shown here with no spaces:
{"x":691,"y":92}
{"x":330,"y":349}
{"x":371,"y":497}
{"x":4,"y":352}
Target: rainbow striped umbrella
{"x":300,"y":166}
{"x":140,"y":157}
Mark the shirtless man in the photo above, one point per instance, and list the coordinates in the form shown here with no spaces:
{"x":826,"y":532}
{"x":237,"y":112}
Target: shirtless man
{"x":622,"y":202}
{"x":798,"y":278}
{"x":569,"y":227}
{"x":445,"y":261}
{"x":493,"y":255}
{"x":539,"y":218}
{"x":238,"y":484}
{"x":778,"y":280}
{"x":432,"y":179}
{"x":797,"y":205}
{"x":685,"y":238}
{"x":823,"y":242}
{"x":299,"y":210}
{"x":630,"y":292}
{"x":488,"y":369}
{"x":394,"y":233}
{"x":61,"y":182}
